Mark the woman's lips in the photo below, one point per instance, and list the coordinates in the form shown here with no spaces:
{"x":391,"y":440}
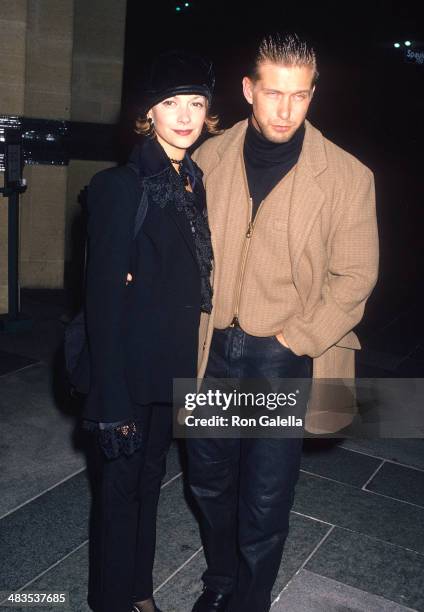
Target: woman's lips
{"x":183,"y":132}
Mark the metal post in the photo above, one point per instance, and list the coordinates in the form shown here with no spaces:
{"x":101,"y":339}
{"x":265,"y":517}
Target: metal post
{"x":14,"y":184}
{"x":13,"y":255}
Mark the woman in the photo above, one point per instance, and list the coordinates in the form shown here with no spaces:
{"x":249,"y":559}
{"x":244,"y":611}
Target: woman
{"x":143,"y":302}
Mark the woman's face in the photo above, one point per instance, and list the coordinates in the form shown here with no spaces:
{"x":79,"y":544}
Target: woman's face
{"x":178,"y":122}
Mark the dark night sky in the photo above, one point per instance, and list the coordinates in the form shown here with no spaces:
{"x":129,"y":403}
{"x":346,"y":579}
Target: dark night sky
{"x":366,"y":89}
{"x":369,"y":100}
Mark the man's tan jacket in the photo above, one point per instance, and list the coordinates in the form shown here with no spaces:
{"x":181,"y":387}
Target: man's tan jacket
{"x":323,"y":213}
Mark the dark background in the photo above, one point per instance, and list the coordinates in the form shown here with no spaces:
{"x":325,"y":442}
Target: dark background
{"x":366,"y":87}
{"x":369,"y":100}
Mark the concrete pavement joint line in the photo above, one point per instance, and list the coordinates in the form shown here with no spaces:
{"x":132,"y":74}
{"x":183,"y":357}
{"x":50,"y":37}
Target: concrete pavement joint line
{"x":411,"y":467}
{"x":372,"y":475}
{"x":312,"y":518}
{"x":304,"y":563}
{"x":394,"y":499}
{"x":86,"y":542}
{"x":345,"y":484}
{"x":190,"y":559}
{"x":22,"y":588}
{"x":165,"y":484}
{"x":344,"y":584}
{"x":363,"y":487}
{"x":374,"y":539}
{"x":31,"y":365}
{"x":405,"y":465}
{"x":43,"y":492}
{"x":177,"y":570}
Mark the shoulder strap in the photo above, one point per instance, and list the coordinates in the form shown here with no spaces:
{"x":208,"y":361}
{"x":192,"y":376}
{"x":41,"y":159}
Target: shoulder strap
{"x":140,"y":215}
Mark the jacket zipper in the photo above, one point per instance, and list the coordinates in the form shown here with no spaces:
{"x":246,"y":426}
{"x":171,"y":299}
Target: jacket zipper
{"x":246,"y":246}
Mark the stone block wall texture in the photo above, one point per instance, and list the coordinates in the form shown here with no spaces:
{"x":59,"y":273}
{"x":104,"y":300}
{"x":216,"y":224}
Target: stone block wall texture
{"x":13,"y":23}
{"x":49,"y":58}
{"x":43,"y":226}
{"x":59,"y":59}
{"x":48,"y":84}
{"x":98,"y":59}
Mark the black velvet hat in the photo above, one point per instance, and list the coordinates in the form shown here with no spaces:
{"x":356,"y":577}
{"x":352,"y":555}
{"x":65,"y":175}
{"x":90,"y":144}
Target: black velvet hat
{"x":174,"y":73}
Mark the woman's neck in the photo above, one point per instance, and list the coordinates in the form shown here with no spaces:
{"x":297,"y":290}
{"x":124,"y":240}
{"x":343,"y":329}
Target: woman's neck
{"x":171,"y":152}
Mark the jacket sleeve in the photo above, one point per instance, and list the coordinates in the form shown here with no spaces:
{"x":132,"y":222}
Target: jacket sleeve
{"x":351,"y":275}
{"x":110,"y":236}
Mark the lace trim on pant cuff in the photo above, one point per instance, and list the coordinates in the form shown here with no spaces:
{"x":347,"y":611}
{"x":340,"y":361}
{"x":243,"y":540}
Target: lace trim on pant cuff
{"x":123,"y":439}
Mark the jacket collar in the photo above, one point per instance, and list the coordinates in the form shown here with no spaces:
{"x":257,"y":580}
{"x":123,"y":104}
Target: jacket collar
{"x":161,"y":182}
{"x":313,"y":150}
{"x":151,"y":161}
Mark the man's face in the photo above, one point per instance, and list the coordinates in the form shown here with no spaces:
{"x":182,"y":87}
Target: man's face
{"x":280,"y":99}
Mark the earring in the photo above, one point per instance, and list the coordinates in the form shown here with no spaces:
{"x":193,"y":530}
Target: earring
{"x":151,"y":126}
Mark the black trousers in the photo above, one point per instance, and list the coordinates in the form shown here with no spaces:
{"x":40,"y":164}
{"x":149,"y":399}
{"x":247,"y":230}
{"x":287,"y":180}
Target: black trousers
{"x":245,"y":487}
{"x":123,"y":534}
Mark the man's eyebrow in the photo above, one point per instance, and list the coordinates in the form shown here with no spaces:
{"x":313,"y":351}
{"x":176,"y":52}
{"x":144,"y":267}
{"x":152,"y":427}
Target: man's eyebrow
{"x":271,"y":90}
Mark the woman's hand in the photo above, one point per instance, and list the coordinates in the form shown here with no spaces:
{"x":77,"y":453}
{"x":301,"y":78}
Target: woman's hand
{"x":129,"y":278}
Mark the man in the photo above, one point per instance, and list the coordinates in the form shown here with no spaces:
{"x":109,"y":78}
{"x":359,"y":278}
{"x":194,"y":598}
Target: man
{"x":296,"y":253}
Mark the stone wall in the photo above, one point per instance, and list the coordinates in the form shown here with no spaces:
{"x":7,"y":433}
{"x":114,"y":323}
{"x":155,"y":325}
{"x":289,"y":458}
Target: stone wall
{"x":59,"y":59}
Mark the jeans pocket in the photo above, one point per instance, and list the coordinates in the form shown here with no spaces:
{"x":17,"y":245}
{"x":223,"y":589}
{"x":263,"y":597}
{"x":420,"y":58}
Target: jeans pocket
{"x":279,"y":344}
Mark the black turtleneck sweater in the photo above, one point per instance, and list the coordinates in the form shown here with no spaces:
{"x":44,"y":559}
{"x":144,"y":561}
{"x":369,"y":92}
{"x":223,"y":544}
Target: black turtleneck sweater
{"x":268,"y":162}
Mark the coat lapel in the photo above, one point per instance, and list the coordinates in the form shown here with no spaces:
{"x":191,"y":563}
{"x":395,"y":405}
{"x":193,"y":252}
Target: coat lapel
{"x":226,"y":192}
{"x":307,"y":196}
{"x":155,"y":170}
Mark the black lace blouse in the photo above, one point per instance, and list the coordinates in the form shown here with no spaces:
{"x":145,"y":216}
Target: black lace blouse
{"x":195,"y":211}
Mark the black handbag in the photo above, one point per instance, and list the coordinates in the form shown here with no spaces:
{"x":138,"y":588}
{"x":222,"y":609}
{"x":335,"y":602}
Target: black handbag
{"x":76,"y":349}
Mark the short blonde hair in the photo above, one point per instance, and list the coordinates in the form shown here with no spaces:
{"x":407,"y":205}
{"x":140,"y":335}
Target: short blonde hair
{"x":286,"y":50}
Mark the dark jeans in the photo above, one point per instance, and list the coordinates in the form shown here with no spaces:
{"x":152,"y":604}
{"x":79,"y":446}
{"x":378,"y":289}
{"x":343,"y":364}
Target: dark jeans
{"x":245,"y":487}
{"x":124,"y":522}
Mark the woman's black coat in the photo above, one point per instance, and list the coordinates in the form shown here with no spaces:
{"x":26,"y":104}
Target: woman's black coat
{"x":141,"y":334}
